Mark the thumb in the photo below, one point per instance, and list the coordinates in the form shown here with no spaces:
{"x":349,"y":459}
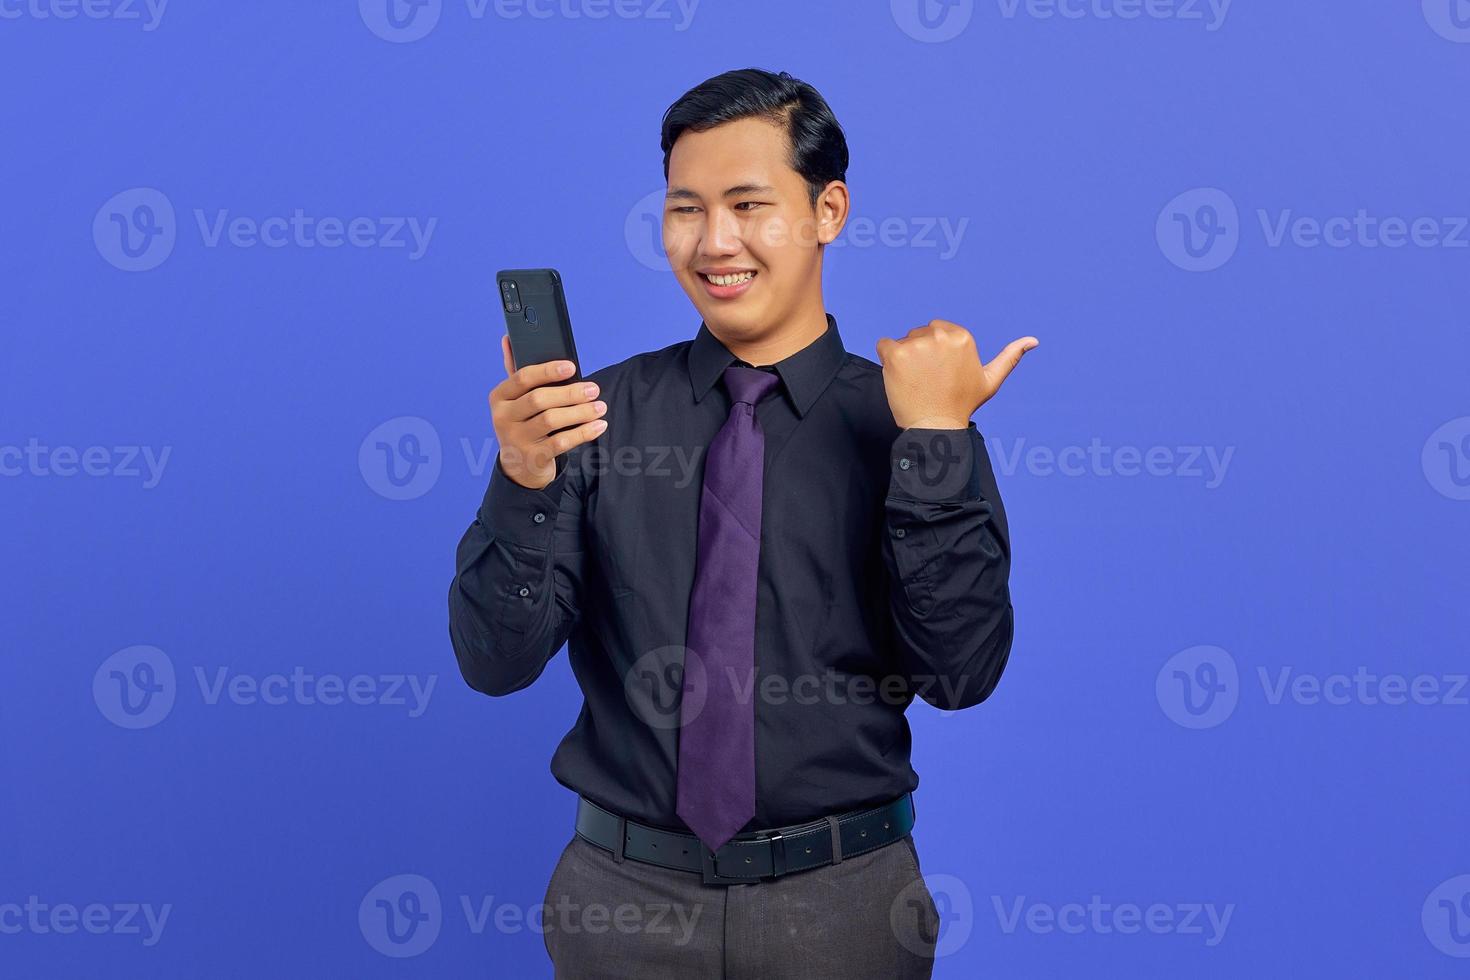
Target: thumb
{"x":1001,"y":366}
{"x":884,"y":344}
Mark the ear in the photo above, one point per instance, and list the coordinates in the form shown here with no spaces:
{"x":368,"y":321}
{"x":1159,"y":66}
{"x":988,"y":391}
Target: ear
{"x":832,"y":209}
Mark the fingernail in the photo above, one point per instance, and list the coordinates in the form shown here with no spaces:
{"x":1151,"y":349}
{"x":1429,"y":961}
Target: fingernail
{"x":590,"y":390}
{"x":599,"y":425}
{"x":600,"y":407}
{"x":564,"y":370}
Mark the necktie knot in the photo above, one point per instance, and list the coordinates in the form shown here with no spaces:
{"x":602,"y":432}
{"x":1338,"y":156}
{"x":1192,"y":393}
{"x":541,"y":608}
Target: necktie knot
{"x":749,"y":385}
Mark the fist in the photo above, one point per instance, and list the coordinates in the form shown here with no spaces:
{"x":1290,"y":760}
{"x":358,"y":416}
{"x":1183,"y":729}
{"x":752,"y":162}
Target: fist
{"x":934,"y":378}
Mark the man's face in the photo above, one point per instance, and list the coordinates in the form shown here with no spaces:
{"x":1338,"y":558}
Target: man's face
{"x":738,"y":214}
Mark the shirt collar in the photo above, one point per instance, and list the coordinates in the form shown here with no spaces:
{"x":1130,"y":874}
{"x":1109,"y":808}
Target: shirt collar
{"x":804,"y":375}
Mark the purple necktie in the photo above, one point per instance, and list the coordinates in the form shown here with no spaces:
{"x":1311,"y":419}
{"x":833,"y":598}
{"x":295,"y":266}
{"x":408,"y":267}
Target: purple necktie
{"x":716,"y":783}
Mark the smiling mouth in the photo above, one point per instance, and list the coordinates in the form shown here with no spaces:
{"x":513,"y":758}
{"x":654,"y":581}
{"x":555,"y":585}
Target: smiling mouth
{"x":734,"y":279}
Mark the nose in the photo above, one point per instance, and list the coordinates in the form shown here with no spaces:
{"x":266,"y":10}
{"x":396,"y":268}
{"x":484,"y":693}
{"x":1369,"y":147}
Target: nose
{"x":721,"y":233}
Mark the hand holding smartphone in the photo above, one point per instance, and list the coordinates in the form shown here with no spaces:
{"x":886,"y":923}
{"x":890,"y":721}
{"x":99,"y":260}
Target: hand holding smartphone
{"x":543,"y":408}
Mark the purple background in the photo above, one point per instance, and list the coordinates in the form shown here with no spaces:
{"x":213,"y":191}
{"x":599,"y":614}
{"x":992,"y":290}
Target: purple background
{"x":1333,"y":542}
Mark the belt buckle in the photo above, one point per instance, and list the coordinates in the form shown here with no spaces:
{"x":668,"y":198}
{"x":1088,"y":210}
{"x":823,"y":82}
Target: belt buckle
{"x":711,"y":873}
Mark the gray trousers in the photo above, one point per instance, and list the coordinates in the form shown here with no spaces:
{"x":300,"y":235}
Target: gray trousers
{"x":867,"y":916}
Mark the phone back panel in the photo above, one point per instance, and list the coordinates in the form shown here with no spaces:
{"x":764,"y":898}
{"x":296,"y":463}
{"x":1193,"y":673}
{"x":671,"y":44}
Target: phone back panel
{"x":541,"y":330}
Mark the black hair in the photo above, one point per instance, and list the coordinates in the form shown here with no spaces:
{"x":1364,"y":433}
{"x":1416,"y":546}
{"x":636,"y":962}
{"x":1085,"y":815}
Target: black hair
{"x":818,"y":146}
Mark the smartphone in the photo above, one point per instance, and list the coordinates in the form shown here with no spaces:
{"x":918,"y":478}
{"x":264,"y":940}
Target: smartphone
{"x":536,"y":318}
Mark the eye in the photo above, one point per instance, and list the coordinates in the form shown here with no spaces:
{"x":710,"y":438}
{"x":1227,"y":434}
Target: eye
{"x":749,"y":205}
{"x":684,"y":209}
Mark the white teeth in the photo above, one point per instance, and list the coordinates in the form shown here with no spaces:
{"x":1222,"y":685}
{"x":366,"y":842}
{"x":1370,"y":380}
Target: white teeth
{"x":731,"y":280}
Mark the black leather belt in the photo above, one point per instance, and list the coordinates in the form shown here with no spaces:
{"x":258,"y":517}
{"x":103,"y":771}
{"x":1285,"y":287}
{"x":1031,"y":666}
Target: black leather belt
{"x":751,"y":857}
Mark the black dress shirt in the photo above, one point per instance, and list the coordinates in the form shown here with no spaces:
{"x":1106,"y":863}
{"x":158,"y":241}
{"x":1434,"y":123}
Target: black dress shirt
{"x":883,"y":575}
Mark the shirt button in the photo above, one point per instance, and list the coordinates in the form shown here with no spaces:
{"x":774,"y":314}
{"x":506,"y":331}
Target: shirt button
{"x":899,"y":533}
{"x":904,"y":463}
{"x":539,"y":517}
{"x":525,"y":591}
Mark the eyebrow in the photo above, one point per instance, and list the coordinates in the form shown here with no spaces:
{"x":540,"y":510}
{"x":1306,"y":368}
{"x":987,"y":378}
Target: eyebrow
{"x":685,"y":194}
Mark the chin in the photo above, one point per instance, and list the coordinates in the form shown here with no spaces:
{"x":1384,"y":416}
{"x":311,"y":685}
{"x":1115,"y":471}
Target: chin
{"x":745,"y":322}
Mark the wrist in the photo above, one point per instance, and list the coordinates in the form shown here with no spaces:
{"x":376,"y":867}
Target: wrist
{"x":939,"y":422}
{"x":525,"y":479}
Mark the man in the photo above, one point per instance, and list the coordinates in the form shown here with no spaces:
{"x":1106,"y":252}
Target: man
{"x":747,"y":639}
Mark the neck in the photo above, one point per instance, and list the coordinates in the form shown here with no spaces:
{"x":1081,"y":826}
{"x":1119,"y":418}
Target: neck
{"x":778,"y":344}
